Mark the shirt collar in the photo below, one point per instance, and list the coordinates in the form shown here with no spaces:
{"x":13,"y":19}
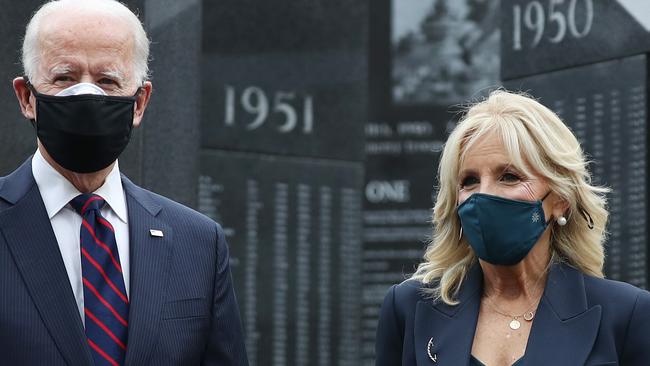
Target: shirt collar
{"x":57,"y":191}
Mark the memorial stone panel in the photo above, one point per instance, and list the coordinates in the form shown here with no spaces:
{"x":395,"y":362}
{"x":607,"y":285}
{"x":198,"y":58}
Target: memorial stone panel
{"x":285,"y":77}
{"x":171,"y":131}
{"x":284,"y":103}
{"x":293,"y":227}
{"x":544,"y":35}
{"x":605,"y":105}
{"x":400,"y":180}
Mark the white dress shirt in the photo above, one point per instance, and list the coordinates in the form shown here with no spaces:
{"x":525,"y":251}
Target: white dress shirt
{"x":57,"y":192}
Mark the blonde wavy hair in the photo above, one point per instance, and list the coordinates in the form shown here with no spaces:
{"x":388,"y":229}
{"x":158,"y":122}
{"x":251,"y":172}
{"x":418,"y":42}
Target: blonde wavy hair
{"x":535,"y":140}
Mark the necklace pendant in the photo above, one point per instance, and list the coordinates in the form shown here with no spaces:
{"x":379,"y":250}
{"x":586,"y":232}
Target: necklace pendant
{"x":515,"y":324}
{"x":529,"y":316}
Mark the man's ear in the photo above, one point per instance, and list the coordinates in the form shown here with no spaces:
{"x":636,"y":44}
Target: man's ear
{"x":25,"y":98}
{"x":141,"y":102}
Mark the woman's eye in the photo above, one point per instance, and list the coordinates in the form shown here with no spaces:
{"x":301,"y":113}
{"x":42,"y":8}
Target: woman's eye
{"x":468,"y":181}
{"x":509,"y":177}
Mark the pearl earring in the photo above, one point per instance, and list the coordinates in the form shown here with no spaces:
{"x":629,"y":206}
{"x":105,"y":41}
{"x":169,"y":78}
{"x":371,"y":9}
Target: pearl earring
{"x":561,"y":220}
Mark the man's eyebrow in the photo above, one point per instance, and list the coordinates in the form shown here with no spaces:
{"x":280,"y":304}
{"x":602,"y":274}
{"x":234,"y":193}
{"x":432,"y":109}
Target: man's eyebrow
{"x":113,"y":74}
{"x":60,"y":69}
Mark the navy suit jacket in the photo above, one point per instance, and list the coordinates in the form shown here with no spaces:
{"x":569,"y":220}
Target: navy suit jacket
{"x":580,"y":320}
{"x":182,"y":304}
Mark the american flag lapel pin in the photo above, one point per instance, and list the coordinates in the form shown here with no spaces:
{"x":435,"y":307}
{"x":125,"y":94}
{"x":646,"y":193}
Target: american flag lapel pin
{"x":156,"y":233}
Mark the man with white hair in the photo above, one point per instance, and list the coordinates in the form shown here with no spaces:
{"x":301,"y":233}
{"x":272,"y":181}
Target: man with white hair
{"x":95,"y":270}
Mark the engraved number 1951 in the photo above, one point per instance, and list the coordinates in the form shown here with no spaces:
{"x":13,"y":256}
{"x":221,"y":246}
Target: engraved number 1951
{"x":255,"y":102}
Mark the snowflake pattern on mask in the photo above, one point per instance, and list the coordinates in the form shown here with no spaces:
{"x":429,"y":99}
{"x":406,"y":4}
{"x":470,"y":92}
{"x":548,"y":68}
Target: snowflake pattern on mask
{"x":535,"y":217}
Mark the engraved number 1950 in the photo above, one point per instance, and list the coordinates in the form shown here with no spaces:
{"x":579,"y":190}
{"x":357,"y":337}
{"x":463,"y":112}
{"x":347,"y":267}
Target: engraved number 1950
{"x":555,"y":21}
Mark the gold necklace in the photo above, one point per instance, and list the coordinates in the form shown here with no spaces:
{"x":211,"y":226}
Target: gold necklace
{"x":514,"y":322}
{"x":528,"y":315}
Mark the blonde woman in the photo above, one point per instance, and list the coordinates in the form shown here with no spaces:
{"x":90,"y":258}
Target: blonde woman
{"x":513,"y":275}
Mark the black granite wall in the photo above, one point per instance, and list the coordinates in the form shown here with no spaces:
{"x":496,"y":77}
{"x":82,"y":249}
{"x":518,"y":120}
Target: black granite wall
{"x":284,"y":105}
{"x":171,"y":134}
{"x":17,"y":137}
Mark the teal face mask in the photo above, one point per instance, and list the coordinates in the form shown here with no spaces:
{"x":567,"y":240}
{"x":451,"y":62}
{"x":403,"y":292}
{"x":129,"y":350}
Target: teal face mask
{"x":500,"y":230}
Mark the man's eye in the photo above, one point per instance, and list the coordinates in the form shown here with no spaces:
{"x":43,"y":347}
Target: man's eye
{"x":106,"y":81}
{"x":62,"y":79}
{"x":468,"y":181}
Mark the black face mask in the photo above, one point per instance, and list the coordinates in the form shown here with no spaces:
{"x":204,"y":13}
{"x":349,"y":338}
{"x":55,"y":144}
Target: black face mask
{"x":84,"y":133}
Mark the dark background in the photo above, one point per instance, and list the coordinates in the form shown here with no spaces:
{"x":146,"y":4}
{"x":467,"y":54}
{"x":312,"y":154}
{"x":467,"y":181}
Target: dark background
{"x":311,"y":131}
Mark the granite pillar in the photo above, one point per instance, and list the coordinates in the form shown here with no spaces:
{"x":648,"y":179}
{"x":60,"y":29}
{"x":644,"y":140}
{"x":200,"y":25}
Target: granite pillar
{"x":284,"y":105}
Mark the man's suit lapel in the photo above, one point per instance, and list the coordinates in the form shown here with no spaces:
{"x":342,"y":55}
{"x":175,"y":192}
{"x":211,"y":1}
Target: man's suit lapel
{"x":150,"y":268}
{"x":564,"y":329}
{"x":445,"y":332}
{"x":27,"y":230}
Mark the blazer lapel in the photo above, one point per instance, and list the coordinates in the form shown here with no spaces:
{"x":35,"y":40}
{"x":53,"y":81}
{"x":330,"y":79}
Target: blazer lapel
{"x":563,"y":333}
{"x":564,"y":329}
{"x":446,"y":333}
{"x":150,"y":261}
{"x":30,"y":238}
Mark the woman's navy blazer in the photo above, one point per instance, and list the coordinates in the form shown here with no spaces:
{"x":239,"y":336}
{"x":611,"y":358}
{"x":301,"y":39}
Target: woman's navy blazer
{"x":580,"y":320}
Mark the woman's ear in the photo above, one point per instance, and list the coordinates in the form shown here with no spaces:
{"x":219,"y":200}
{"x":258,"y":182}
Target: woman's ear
{"x":560,"y":207}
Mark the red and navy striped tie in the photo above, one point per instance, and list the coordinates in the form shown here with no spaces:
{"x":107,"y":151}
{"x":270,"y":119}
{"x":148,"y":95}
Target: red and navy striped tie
{"x":106,"y":306}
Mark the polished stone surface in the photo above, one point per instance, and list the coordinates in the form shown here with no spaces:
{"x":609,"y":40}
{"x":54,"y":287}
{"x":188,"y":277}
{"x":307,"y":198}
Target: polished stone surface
{"x":543,"y":36}
{"x":285,"y":78}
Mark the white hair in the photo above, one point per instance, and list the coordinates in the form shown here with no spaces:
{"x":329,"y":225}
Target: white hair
{"x":31,"y":44}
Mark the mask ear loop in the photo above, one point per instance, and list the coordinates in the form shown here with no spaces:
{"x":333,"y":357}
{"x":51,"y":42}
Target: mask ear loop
{"x":32,"y":90}
{"x":30,"y":86}
{"x":542,"y":200}
{"x":460,"y":232}
{"x":587,"y":216}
